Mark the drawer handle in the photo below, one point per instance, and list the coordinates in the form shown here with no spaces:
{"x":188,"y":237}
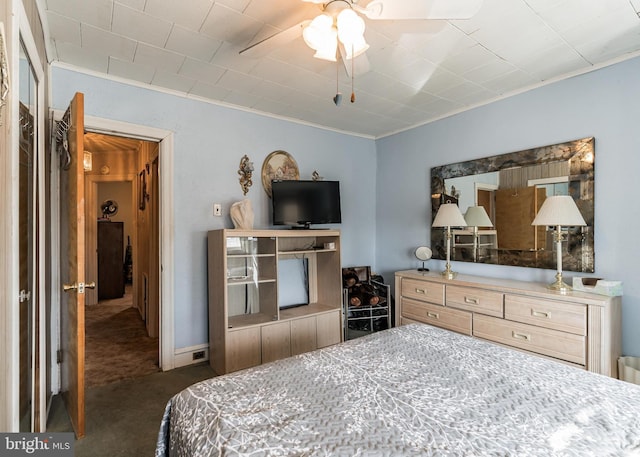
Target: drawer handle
{"x":471,"y":300}
{"x":420,"y":291}
{"x":433,"y":315}
{"x":535,"y":313}
{"x":520,"y":336}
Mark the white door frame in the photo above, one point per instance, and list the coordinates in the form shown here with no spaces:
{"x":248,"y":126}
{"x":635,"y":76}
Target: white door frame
{"x":17,"y":27}
{"x":167,"y":273}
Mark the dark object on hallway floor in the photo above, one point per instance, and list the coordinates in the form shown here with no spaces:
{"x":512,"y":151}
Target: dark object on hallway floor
{"x":123,"y":418}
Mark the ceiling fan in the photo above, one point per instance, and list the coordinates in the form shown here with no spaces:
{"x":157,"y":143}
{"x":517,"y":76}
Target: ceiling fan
{"x":339,"y":28}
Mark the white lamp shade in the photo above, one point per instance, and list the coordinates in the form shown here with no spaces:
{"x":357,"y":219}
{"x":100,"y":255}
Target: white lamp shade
{"x":318,"y":32}
{"x":327,"y":49}
{"x":559,"y":210}
{"x":476,"y":216}
{"x":350,"y":26}
{"x":354,"y":49}
{"x":449,"y":215}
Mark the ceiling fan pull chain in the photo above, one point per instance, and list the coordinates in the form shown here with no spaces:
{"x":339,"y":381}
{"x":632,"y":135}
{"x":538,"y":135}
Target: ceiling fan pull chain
{"x":353,"y":93}
{"x":338,"y":97}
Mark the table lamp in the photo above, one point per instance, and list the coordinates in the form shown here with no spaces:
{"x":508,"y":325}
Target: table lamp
{"x":448,"y":216}
{"x":558,"y":211}
{"x":476,"y":216}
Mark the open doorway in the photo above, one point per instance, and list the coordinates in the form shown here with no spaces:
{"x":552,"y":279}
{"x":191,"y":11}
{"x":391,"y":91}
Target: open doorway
{"x":122,"y":246}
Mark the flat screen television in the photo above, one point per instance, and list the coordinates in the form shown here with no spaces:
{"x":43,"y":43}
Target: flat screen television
{"x":304,"y":203}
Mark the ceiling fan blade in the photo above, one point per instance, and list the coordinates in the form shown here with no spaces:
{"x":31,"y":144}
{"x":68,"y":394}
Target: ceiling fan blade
{"x":420,"y":9}
{"x":264,"y":47}
{"x":358,"y":65}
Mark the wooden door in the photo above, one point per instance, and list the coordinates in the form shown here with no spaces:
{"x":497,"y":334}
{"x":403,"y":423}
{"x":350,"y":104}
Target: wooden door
{"x":276,"y":341}
{"x":515,"y":211}
{"x":303,"y":335}
{"x":485,"y":199}
{"x":72,"y":257}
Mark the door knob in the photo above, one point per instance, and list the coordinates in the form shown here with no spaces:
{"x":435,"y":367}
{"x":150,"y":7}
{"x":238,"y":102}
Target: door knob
{"x":79,"y":287}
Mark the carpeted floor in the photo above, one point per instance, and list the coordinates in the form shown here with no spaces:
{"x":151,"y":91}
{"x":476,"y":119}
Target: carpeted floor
{"x":116,"y":343}
{"x":123,"y":418}
{"x":126,"y":392}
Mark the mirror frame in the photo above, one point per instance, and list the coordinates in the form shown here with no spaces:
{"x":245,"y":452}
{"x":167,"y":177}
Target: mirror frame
{"x":578,"y":254}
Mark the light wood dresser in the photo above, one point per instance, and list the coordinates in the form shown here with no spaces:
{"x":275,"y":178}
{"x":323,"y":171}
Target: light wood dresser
{"x":577,"y":328}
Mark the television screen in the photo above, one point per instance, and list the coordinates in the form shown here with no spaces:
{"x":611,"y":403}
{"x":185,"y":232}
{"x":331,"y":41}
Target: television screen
{"x":302,"y":203}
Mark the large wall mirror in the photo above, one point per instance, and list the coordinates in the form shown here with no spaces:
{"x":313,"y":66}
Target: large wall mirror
{"x":511,"y":188}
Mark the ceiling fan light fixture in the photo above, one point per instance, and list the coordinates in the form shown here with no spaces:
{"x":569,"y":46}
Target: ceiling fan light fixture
{"x":354,"y":49}
{"x":327,"y":51}
{"x":319,"y":31}
{"x":324,"y":31}
{"x":350,"y":26}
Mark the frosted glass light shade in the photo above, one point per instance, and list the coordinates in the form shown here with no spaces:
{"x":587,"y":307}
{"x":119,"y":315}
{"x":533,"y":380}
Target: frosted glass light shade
{"x":359,"y":46}
{"x":327,"y":49}
{"x":350,"y":26}
{"x":559,"y":210}
{"x":449,"y":215}
{"x":318,"y":32}
{"x":476,"y":216}
{"x":323,"y":32}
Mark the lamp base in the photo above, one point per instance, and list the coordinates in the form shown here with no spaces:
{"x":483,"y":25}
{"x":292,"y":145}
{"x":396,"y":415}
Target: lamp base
{"x":448,"y":274}
{"x":559,"y":285}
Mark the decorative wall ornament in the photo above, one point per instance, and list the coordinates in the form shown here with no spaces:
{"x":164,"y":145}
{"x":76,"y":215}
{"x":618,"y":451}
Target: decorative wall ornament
{"x":245,"y":171}
{"x":87,"y":160}
{"x":278,"y":165}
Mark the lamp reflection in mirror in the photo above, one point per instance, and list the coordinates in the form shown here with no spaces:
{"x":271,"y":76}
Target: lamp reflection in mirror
{"x":476,"y":216}
{"x":558,"y":211}
{"x":448,"y":216}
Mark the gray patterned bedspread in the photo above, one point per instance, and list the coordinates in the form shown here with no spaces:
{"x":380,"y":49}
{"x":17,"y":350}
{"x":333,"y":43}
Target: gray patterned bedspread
{"x":412,"y":390}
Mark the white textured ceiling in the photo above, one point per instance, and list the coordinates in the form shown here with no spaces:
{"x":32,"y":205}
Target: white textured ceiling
{"x":419,"y":70}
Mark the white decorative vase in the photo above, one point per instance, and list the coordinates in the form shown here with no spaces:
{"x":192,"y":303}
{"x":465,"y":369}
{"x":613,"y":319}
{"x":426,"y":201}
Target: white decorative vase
{"x":242,"y":214}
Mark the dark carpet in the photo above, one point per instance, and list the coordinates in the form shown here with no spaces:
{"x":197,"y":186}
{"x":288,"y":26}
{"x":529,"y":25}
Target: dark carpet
{"x":123,"y":418}
{"x":117,"y":346}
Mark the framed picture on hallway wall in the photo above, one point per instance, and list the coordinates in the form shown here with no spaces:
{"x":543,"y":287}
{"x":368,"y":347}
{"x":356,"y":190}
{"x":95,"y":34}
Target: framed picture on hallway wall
{"x":142,"y":190}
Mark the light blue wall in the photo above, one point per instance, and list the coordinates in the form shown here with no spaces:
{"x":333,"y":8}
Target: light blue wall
{"x":209,"y":142}
{"x":385,"y":198}
{"x":604,"y":104}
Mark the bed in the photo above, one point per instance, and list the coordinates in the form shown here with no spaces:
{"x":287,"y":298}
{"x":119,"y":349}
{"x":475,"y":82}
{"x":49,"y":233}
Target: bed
{"x":410,"y":390}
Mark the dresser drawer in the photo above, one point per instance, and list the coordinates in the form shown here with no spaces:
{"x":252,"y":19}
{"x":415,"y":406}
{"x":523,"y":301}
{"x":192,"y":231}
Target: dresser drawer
{"x":564,"y":316}
{"x":423,"y":290}
{"x":440,"y":316}
{"x":476,"y":300}
{"x":553,"y":343}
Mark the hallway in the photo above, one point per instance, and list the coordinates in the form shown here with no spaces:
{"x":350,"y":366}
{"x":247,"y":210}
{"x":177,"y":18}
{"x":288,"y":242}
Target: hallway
{"x":117,"y":345}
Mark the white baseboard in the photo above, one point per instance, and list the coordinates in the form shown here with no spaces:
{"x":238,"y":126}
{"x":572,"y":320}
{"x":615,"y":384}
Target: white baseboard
{"x":186,"y":356}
